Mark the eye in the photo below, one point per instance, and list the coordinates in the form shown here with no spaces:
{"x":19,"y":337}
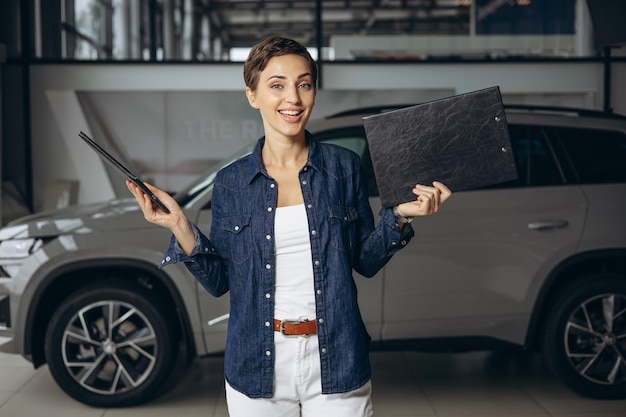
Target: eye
{"x":276,"y":86}
{"x":305,"y":86}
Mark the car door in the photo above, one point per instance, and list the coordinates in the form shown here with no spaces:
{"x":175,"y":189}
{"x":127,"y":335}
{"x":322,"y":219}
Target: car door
{"x":474,"y":268}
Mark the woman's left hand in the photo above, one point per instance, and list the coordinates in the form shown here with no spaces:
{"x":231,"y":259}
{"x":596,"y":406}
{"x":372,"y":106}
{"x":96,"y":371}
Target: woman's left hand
{"x":429,"y":199}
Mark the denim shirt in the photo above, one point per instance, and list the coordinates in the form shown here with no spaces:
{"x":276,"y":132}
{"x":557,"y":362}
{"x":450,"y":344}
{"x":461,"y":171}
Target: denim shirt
{"x":239,"y":257}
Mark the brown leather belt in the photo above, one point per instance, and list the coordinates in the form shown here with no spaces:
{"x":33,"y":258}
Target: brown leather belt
{"x":295,"y":327}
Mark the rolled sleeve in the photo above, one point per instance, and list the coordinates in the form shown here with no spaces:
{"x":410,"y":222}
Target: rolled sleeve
{"x":203,"y":262}
{"x":397,"y":237}
{"x":174,"y":253}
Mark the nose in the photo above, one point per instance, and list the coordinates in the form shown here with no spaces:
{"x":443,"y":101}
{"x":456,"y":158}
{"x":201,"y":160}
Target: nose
{"x":293,"y":95}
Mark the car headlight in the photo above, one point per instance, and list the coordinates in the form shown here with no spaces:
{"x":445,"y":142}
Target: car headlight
{"x":18,"y":248}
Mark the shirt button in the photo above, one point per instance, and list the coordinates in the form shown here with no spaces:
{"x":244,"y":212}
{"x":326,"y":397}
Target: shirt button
{"x":317,"y":263}
{"x":323,"y":350}
{"x":304,"y":182}
{"x":267,"y":324}
{"x":268,"y":237}
{"x":269,"y":209}
{"x":319,"y":292}
{"x":394,"y":243}
{"x":268,"y":353}
{"x":309,"y":205}
{"x":306,"y":169}
{"x":321,"y":321}
{"x":403,"y":242}
{"x":236,"y":228}
{"x":272,"y":185}
{"x":268,"y":266}
{"x":267,"y":295}
{"x":313,"y":232}
{"x":168,"y":258}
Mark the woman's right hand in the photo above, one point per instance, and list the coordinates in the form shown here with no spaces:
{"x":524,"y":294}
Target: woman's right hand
{"x":175,"y":220}
{"x":152,"y":213}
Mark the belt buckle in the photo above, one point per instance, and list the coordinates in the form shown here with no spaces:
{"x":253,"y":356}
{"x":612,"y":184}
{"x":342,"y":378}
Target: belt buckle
{"x":294,"y":322}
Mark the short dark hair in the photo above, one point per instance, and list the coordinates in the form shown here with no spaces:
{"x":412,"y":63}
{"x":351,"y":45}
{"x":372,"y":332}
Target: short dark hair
{"x":266,"y":49}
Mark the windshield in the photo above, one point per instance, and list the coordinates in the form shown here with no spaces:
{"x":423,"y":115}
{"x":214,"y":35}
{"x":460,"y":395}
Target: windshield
{"x":205,"y":181}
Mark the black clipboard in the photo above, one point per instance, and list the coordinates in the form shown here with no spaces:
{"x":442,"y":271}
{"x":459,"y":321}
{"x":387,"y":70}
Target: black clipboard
{"x":462,"y":141}
{"x":117,"y":164}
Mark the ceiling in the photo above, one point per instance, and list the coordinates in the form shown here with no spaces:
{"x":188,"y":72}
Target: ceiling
{"x":240,"y":23}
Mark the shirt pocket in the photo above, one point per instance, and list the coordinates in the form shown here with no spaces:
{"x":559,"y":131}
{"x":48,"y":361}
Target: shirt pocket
{"x":343,"y":221}
{"x":237,"y":231}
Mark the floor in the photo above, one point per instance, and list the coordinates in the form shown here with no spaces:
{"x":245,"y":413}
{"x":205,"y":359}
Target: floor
{"x":406,"y":384}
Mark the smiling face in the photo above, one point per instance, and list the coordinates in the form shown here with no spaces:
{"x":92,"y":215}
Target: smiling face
{"x":285,"y":95}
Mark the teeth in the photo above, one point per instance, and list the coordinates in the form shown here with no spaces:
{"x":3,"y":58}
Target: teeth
{"x":290,"y":112}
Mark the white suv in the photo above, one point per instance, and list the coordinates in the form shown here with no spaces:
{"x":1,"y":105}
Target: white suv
{"x":537,"y":263}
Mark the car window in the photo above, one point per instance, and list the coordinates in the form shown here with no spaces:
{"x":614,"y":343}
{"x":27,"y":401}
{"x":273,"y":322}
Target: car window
{"x":534,"y":158}
{"x":354,"y":139}
{"x":598,"y":156}
{"x":356,"y":144}
{"x":542,"y":168}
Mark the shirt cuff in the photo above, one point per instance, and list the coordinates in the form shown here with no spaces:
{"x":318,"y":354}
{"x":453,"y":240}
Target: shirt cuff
{"x":174,"y":253}
{"x":402,"y":236}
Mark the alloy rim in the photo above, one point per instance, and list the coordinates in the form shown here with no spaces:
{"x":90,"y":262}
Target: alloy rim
{"x":595,"y":339}
{"x":109,"y":347}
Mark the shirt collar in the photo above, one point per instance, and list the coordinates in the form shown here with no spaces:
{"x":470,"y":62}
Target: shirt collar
{"x":315,"y":160}
{"x":256,"y":167}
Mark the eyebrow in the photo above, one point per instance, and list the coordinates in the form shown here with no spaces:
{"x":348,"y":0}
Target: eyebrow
{"x":282,"y":77}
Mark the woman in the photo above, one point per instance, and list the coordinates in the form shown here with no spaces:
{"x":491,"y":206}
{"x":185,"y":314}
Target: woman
{"x":290,"y":223}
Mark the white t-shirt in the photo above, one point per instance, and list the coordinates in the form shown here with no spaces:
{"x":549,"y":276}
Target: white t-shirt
{"x":294,"y":290}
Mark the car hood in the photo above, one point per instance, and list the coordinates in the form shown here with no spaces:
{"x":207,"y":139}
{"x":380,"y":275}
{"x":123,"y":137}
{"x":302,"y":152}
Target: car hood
{"x":98,"y":217}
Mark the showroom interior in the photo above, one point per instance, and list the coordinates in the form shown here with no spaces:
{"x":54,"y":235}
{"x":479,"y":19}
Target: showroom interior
{"x":159,"y":82}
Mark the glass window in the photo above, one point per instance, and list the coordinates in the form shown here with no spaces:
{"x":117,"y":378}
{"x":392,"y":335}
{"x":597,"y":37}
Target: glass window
{"x":543,"y":169}
{"x":86,"y":29}
{"x":224,"y":30}
{"x":598,"y":156}
{"x":525,"y":17}
{"x":534,"y":158}
{"x":90,"y":16}
{"x":354,"y":139}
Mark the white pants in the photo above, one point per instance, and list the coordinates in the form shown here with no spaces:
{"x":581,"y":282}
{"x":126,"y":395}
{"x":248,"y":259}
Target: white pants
{"x":298,"y":387}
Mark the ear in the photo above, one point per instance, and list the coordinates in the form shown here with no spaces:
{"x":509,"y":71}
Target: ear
{"x":251,"y":98}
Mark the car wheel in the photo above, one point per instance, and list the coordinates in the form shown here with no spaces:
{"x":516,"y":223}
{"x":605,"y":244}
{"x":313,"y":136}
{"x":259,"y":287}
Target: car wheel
{"x":585,"y":343}
{"x":109,"y":346}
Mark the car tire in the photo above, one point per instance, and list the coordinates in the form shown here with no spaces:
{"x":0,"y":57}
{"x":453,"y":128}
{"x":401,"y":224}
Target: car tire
{"x":110,"y":345}
{"x":585,"y":338}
